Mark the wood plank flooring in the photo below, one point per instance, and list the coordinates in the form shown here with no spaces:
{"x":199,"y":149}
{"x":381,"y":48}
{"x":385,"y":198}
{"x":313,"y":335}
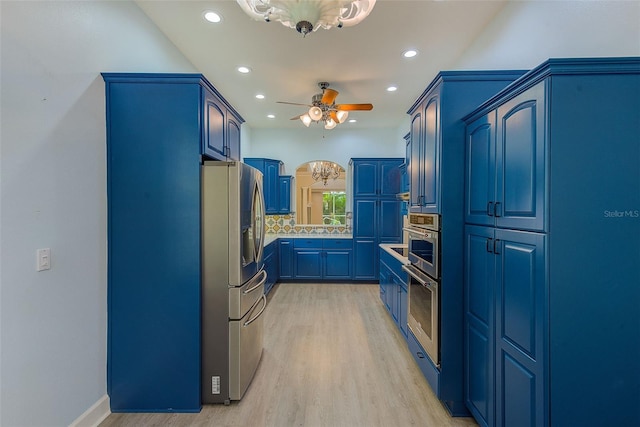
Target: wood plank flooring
{"x":332,"y":357}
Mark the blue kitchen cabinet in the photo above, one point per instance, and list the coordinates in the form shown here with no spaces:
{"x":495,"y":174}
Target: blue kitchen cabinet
{"x":221,"y":130}
{"x":436,"y":176}
{"x":214,"y":140}
{"x":425,"y":139}
{"x":322,"y":259}
{"x":394,"y":281}
{"x":270,"y":182}
{"x":156,"y":123}
{"x":376,"y":211}
{"x":385,"y":282}
{"x":506,"y":167}
{"x":284,"y":194}
{"x":479,"y":303}
{"x":389,"y":221}
{"x":555,"y":174}
{"x":233,"y":137}
{"x":286,"y":270}
{"x":307,"y":255}
{"x":337,"y":259}
{"x":276,"y":187}
{"x":271,"y":264}
{"x":505,"y":275}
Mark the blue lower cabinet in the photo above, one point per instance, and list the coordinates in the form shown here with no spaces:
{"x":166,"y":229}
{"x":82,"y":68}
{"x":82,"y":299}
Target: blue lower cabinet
{"x":394,"y":293}
{"x":271,"y":264}
{"x":365,"y":254}
{"x":308,"y":263}
{"x":285,"y":258}
{"x":315,"y":258}
{"x":337,"y":264}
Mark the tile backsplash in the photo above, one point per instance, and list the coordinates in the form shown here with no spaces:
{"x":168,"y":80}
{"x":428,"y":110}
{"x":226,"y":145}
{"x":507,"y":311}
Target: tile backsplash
{"x":286,"y":224}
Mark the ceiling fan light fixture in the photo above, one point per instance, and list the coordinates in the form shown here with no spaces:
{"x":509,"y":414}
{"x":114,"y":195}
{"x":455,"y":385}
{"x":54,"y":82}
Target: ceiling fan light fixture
{"x":309,"y":15}
{"x":342,"y":116}
{"x":330,"y":124}
{"x":306,"y":119}
{"x":315,"y":113}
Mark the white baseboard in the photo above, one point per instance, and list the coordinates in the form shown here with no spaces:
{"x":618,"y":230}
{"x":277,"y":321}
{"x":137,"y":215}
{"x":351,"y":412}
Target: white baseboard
{"x":93,"y":416}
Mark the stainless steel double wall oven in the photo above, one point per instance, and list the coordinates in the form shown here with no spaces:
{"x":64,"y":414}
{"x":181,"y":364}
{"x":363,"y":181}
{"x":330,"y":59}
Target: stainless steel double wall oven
{"x":424,"y":281}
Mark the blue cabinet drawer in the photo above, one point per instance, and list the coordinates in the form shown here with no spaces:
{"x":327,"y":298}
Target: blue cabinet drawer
{"x":307,"y":243}
{"x":430,"y":372}
{"x":337,"y":243}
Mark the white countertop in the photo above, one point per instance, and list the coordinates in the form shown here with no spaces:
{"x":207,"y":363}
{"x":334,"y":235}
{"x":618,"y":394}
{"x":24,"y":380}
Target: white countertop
{"x":268,"y":238}
{"x":388,"y":247}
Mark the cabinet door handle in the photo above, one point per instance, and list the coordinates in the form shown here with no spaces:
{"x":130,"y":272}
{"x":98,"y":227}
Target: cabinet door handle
{"x":490,"y":208}
{"x":420,"y":354}
{"x":489,"y":244}
{"x":496,"y":246}
{"x":496,"y":209}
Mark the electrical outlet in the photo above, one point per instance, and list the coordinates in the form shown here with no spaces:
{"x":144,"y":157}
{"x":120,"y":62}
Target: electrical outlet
{"x":43,"y":259}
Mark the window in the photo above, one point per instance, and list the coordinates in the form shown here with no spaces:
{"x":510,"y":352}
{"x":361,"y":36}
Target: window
{"x":333,"y":208}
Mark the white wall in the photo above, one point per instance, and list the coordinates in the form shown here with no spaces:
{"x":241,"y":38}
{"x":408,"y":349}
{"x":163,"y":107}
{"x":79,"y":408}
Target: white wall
{"x":53,"y":194}
{"x":526,"y":33}
{"x":297,"y":146}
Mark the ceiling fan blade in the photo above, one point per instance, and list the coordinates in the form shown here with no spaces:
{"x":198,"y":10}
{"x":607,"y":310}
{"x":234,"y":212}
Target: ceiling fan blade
{"x":334,"y":116}
{"x":354,"y":107}
{"x":296,"y":117}
{"x":328,"y":96}
{"x":293,"y":103}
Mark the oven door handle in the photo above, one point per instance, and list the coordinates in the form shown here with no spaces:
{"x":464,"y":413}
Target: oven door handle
{"x":429,"y":234}
{"x":422,"y":281}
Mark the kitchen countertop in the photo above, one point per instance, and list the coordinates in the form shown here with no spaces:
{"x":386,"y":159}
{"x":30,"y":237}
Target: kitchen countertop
{"x":269,"y":238}
{"x":389,"y":248}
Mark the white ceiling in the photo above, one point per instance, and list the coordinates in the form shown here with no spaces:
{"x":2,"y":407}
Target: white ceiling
{"x":360,"y":62}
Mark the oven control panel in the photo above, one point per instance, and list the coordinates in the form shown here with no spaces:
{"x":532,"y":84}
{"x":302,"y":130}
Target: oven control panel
{"x":429,"y":221}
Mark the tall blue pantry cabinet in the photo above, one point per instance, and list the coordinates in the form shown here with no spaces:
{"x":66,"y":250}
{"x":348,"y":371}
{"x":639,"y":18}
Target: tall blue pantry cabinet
{"x":436,"y":170}
{"x":158,"y":127}
{"x":376,"y":211}
{"x":552,"y":248}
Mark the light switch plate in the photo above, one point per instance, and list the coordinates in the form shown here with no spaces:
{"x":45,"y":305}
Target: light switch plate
{"x":43,"y":259}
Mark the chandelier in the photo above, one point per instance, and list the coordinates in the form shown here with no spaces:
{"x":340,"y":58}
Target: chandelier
{"x":309,"y":15}
{"x":323,"y":170}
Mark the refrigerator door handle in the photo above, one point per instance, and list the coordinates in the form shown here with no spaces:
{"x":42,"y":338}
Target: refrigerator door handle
{"x":253,"y":319}
{"x":260,"y":283}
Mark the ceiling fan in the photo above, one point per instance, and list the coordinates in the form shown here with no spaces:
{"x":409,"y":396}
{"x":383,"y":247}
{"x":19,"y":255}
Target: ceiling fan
{"x":324,"y":109}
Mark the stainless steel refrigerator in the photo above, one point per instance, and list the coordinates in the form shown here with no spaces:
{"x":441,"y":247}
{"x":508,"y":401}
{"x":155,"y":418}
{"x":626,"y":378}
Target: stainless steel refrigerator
{"x":233,"y":278}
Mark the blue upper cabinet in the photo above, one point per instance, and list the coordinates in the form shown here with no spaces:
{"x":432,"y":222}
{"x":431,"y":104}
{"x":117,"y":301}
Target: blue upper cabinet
{"x":214,"y":131}
{"x":233,"y":136}
{"x":221,"y":126}
{"x":365,"y":178}
{"x":376,"y":177}
{"x":437,"y":129}
{"x":505,"y":176}
{"x":277,"y":188}
{"x":284,"y":194}
{"x":425,"y":137}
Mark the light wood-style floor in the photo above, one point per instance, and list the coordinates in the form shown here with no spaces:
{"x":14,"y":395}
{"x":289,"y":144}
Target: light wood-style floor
{"x":332,"y":357}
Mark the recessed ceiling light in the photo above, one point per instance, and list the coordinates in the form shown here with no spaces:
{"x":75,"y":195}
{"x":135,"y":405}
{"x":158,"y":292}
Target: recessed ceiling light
{"x":352,"y":120}
{"x":212,"y":17}
{"x":271,"y":116}
{"x":409,"y":53}
{"x":260,"y":96}
{"x":392,"y":89}
{"x":244,"y":70}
